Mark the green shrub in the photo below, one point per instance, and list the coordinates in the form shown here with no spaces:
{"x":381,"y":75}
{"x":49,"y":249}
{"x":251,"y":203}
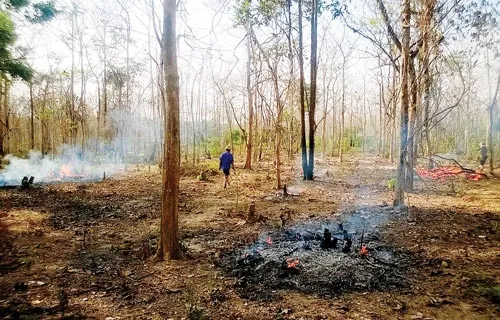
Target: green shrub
{"x":196,"y":313}
{"x":492,"y":292}
{"x":391,"y":184}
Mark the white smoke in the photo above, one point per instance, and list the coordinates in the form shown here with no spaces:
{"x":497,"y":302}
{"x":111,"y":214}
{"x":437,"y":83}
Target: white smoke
{"x":70,"y":165}
{"x":136,"y":140}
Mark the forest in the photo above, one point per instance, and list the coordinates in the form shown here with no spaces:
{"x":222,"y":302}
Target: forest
{"x":366,"y":146}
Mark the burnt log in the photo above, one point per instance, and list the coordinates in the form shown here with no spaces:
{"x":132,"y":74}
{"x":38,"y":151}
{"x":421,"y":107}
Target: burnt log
{"x":328,"y":242}
{"x":251,"y":212}
{"x":25,"y":183}
{"x":345,"y":235}
{"x":347,"y":245}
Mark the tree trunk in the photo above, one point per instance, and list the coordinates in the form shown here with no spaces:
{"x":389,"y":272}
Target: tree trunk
{"x":105,"y":87}
{"x":342,"y":111}
{"x":303,"y":143}
{"x":32,"y":118}
{"x":381,"y":128}
{"x":312,"y":102}
{"x":277,"y":156}
{"x":393,"y":118}
{"x":71,"y":105}
{"x":426,"y":79}
{"x":6,"y":110}
{"x":277,"y":126}
{"x":323,"y":130}
{"x":334,"y":118}
{"x":413,"y":114}
{"x":45,"y":122}
{"x":249,"y":141}
{"x":291,"y":82}
{"x":169,"y":247}
{"x":193,"y":121}
{"x":491,"y":114}
{"x":81,"y":108}
{"x":405,"y":102}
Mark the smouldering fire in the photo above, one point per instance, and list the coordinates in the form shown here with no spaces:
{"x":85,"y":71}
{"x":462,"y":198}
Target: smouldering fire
{"x":292,"y":263}
{"x":66,"y":170}
{"x":269,"y":241}
{"x":363,"y":251}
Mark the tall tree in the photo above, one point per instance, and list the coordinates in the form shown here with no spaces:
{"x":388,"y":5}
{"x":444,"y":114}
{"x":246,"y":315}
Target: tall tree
{"x":312,"y":101}
{"x":491,"y":120}
{"x":169,"y":246}
{"x":405,"y":103}
{"x":249,"y":139}
{"x":303,"y":141}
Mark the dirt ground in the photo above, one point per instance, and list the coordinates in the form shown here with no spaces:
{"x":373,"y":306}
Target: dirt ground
{"x":82,"y":251}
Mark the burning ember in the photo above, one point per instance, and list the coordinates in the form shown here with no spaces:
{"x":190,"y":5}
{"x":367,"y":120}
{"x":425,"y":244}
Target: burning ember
{"x":292,"y":263}
{"x":269,"y":241}
{"x":363,"y":251}
{"x":66,"y":170}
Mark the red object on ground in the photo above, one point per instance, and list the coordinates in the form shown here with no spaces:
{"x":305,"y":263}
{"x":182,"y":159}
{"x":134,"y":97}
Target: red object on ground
{"x":292,"y":263}
{"x":363,"y":251}
{"x":442,"y":173}
{"x":269,"y":241}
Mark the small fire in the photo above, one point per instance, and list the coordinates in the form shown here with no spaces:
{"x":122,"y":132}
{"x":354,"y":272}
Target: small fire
{"x":269,"y":241}
{"x":292,"y":263}
{"x":363,"y":251}
{"x":475,"y":176}
{"x":66,"y":170}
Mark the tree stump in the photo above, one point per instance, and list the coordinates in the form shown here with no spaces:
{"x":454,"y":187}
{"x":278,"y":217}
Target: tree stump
{"x":251,"y":212}
{"x":25,"y":184}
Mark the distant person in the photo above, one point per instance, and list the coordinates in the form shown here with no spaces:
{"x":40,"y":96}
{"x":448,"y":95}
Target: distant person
{"x":226,"y":163}
{"x":483,"y":150}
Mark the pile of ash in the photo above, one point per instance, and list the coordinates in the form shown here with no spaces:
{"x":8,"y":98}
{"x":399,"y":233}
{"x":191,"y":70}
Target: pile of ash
{"x":326,"y":257}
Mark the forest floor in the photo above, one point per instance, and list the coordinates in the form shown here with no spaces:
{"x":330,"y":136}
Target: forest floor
{"x":82,"y":251}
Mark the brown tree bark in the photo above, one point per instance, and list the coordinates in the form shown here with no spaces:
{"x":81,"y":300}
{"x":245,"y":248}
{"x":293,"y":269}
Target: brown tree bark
{"x":425,"y":51}
{"x":303,"y":143}
{"x":169,"y":247}
{"x":412,"y":120}
{"x":249,"y":141}
{"x":405,"y":103}
{"x":32,"y":118}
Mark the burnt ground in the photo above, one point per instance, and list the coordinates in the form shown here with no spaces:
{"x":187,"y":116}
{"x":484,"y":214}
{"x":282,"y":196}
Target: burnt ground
{"x":82,"y":251}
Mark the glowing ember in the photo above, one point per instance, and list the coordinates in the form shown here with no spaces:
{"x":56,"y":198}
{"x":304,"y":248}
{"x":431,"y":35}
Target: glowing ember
{"x":475,"y":176}
{"x":66,"y":170}
{"x":442,"y":173}
{"x":269,"y":241}
{"x":292,"y":263}
{"x":363,"y":251}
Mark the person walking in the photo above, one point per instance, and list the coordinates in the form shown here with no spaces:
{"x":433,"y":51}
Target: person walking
{"x":225,"y":164}
{"x":483,"y":150}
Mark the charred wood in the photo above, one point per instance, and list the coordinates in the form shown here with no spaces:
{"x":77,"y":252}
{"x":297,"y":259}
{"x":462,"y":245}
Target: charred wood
{"x":347,"y":246}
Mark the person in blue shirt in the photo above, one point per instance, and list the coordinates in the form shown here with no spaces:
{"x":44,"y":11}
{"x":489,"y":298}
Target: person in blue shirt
{"x":226,"y":163}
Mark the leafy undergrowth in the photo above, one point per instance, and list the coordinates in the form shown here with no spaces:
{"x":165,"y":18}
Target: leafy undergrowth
{"x":82,"y":251}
